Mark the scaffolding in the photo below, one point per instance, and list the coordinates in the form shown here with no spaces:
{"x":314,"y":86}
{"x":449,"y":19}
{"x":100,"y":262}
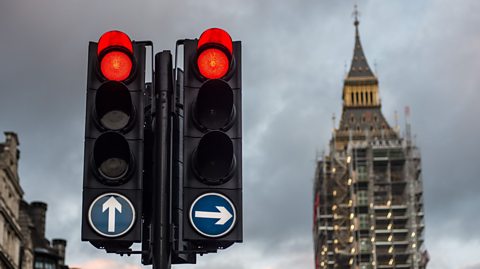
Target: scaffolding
{"x":369,"y":205}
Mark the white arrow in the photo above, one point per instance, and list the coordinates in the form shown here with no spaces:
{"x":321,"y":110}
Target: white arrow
{"x":223,"y":215}
{"x":111,"y":204}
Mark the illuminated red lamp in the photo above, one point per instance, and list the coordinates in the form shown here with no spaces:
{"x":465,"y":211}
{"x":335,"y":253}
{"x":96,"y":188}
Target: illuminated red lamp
{"x":115,"y":52}
{"x":215,"y":53}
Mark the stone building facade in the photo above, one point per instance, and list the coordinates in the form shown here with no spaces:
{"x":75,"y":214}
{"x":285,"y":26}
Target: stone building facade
{"x":22,"y":225}
{"x":11,"y":193}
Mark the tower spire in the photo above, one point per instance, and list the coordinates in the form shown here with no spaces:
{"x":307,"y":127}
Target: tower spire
{"x":359,"y":66}
{"x":360,"y":85}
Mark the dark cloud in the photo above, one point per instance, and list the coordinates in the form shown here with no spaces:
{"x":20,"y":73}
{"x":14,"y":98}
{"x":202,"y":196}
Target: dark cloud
{"x":294,"y":56}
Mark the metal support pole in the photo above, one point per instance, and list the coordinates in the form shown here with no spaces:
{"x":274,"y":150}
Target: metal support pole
{"x":162,"y":162}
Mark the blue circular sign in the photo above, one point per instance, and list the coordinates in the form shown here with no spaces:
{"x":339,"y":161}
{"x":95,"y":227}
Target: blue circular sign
{"x":111,"y":215}
{"x":212,"y":215}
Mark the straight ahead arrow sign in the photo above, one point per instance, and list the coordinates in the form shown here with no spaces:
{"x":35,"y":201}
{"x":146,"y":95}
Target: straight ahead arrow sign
{"x":111,"y":205}
{"x":222,"y":215}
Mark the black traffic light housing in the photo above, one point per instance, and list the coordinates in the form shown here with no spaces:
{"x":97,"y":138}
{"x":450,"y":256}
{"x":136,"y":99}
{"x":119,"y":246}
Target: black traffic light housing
{"x":212,"y":142}
{"x":114,"y":133}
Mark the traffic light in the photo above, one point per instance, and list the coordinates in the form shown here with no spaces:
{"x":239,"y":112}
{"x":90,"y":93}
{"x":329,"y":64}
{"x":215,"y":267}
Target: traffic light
{"x":114,"y":137}
{"x":211,"y":143}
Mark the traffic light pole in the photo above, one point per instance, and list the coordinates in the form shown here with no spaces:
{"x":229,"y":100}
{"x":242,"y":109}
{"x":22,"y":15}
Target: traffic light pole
{"x":163,"y":91}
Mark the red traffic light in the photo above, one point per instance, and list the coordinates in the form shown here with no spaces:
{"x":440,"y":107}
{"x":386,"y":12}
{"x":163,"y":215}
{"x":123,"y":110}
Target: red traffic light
{"x":116,"y":65}
{"x":115,"y":51}
{"x":213,"y":63}
{"x":215,"y":53}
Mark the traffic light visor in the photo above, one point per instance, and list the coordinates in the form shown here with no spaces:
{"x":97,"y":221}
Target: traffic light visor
{"x":214,"y":105}
{"x":111,"y":157}
{"x":113,"y":105}
{"x":216,"y":36}
{"x":214,"y":159}
{"x":114,"y":39}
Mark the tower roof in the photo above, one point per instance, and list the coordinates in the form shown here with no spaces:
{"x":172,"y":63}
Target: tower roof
{"x":362,"y":118}
{"x":359,"y":66}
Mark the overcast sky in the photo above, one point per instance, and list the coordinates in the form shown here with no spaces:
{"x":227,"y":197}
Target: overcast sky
{"x":295,"y":54}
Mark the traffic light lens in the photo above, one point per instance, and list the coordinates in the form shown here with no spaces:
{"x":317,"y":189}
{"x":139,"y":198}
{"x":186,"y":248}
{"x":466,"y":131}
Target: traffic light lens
{"x":214,"y":159}
{"x":113,"y":168}
{"x":116,"y":66}
{"x":115,"y":120}
{"x":113,"y":105}
{"x":213,"y":63}
{"x":214,"y":105}
{"x":112,"y":157}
